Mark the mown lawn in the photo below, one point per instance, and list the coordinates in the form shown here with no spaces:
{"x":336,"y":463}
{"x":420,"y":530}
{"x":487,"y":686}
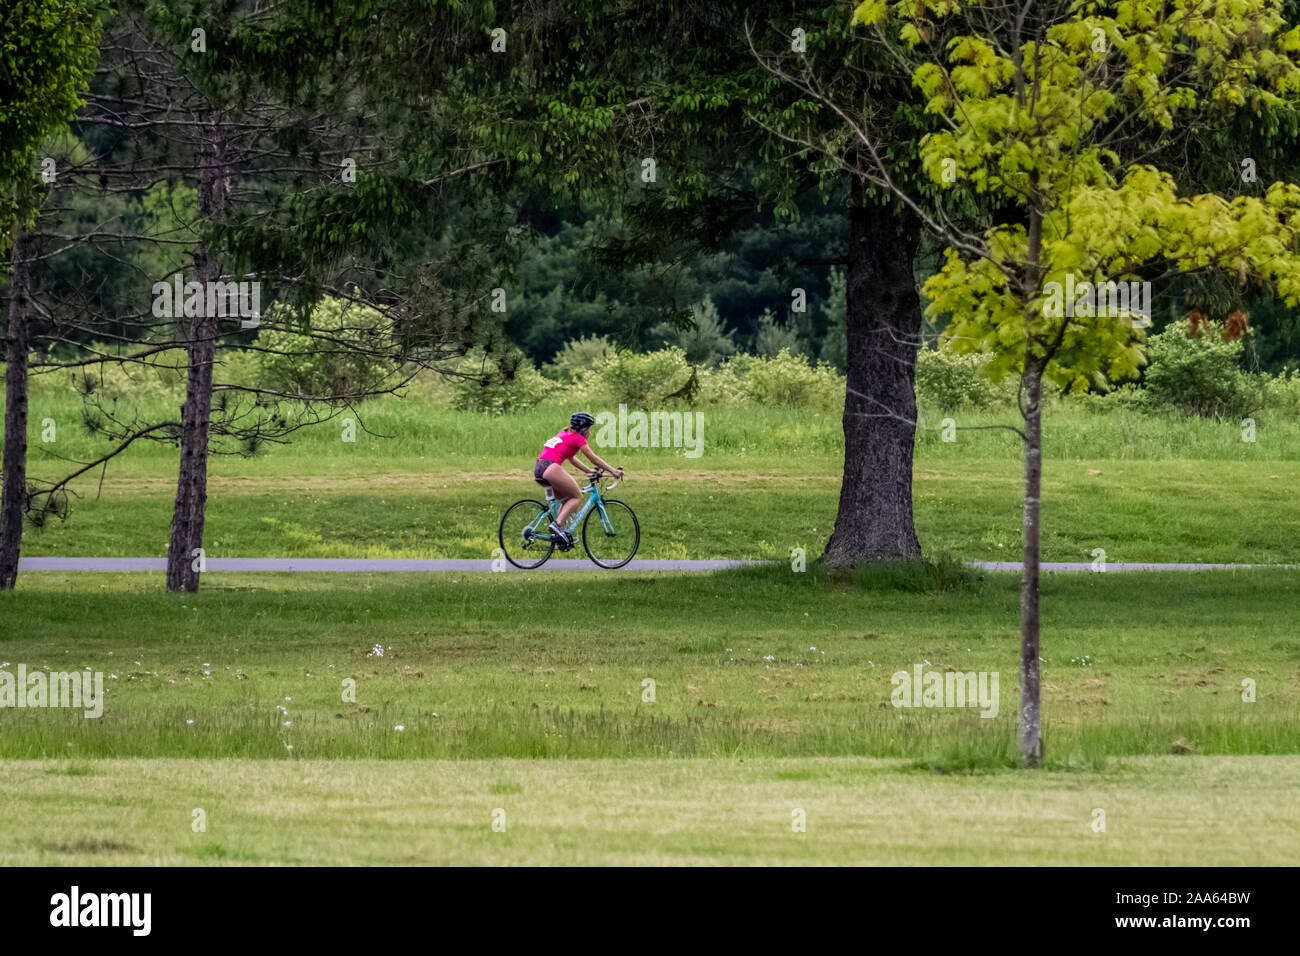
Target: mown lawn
{"x":1156,"y":811}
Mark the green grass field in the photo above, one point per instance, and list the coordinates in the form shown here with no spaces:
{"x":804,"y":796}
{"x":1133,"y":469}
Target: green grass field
{"x":749,"y":662}
{"x":1186,"y":811}
{"x":435,"y":485}
{"x":771,"y":688}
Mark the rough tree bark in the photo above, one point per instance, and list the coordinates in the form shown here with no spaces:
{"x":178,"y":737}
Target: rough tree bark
{"x":874,"y":521}
{"x":189,"y":510}
{"x":13,"y":498}
{"x":1031,"y":724}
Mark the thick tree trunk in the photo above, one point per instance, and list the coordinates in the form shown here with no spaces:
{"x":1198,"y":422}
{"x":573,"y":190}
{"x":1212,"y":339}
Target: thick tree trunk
{"x":189,"y":511}
{"x":13,"y":498}
{"x":874,"y":521}
{"x":1031,"y":722}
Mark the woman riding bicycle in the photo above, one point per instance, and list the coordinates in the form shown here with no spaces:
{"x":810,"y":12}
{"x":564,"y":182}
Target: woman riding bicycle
{"x":550,"y":471}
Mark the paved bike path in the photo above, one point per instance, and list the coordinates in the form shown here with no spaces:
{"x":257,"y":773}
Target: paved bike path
{"x":363,"y":565}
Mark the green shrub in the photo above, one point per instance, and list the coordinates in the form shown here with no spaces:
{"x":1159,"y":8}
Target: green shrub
{"x":1125,"y":397}
{"x":577,"y":356}
{"x":949,"y":381}
{"x":639,"y":380}
{"x":135,"y":384}
{"x":308,"y":367}
{"x":1198,"y":376}
{"x":498,"y":385}
{"x":238,"y":367}
{"x":782,"y":381}
{"x":1281,"y":392}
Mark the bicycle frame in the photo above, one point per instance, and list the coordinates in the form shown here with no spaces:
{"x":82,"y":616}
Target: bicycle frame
{"x":542,"y":532}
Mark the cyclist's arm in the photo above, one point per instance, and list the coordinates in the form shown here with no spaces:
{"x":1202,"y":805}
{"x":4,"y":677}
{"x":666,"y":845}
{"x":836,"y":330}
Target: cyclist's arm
{"x":597,"y":461}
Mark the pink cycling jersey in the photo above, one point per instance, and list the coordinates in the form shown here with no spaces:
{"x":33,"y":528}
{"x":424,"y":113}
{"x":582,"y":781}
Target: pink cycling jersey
{"x":562,"y":447}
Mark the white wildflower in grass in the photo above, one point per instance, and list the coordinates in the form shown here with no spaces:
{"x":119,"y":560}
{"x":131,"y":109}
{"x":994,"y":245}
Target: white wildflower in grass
{"x":288,"y":723}
{"x":770,"y":657}
{"x":376,"y":651}
{"x":190,"y":721}
{"x":400,"y":727}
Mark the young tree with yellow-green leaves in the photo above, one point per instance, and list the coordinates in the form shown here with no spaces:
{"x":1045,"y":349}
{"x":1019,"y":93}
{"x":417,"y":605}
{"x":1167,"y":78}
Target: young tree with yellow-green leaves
{"x":1049,"y":117}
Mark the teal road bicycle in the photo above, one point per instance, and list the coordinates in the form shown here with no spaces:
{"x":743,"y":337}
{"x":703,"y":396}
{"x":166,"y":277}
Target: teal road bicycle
{"x":610,"y":532}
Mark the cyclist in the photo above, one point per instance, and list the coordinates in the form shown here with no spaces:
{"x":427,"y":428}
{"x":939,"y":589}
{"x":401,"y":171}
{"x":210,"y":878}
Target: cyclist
{"x":549,"y":471}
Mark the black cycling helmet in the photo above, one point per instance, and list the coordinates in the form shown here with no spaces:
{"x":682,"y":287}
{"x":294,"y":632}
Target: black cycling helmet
{"x":581,"y":420}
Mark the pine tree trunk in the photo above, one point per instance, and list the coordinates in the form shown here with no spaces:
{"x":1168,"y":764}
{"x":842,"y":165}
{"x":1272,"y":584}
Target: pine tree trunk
{"x":13,"y":498}
{"x":189,"y":511}
{"x":883,"y":324}
{"x":1031,"y":725}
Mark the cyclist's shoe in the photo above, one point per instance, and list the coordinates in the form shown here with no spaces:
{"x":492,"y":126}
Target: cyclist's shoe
{"x":562,"y":538}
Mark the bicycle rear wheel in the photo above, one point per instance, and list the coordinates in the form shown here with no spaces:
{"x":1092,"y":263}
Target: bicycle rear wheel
{"x":611,"y":540}
{"x":524,"y":535}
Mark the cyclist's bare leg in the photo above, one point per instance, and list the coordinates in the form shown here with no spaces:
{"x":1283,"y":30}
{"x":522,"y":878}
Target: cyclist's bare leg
{"x":566,"y":490}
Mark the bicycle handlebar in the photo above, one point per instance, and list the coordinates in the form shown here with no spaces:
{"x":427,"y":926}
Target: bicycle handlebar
{"x":598,"y":473}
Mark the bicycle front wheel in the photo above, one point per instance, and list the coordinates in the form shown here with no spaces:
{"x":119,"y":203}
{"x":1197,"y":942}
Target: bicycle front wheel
{"x":611,"y":536}
{"x":524,"y":535}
